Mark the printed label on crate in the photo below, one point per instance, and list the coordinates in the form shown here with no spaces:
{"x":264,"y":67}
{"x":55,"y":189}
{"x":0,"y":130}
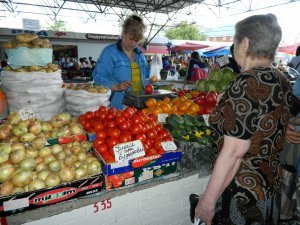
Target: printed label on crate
{"x":16,"y":204}
{"x":169,"y":145}
{"x":162,"y":117}
{"x":119,"y":164}
{"x":26,"y":113}
{"x":129,"y":181}
{"x":146,"y":175}
{"x":129,"y":150}
{"x":145,"y":161}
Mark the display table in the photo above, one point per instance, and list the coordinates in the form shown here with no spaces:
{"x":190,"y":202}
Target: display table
{"x":158,"y":201}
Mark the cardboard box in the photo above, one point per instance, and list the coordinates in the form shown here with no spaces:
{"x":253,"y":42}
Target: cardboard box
{"x":141,"y":162}
{"x":19,"y":203}
{"x":139,"y":175}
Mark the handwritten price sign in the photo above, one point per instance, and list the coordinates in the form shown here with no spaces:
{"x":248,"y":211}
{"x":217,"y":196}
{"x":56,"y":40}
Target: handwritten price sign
{"x":169,"y":146}
{"x":26,"y":113}
{"x":162,"y":117}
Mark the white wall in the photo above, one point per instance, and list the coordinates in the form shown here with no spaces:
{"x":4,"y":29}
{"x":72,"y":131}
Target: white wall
{"x":164,"y":204}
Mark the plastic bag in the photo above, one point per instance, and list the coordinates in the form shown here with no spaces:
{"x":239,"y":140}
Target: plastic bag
{"x":23,"y":56}
{"x":156,"y":66}
{"x":40,"y":91}
{"x":80,"y":101}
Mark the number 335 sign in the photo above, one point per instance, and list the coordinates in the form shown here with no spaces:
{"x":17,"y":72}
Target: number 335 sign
{"x":103,"y":205}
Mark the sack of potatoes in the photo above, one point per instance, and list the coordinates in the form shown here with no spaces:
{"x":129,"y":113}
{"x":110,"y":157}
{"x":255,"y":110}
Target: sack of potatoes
{"x":28,"y":50}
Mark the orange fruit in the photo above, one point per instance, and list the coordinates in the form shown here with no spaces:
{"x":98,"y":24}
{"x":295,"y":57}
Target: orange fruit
{"x":166,"y":99}
{"x":193,"y":109}
{"x":165,"y":108}
{"x":156,"y":111}
{"x":150,"y":102}
{"x":182,"y":98}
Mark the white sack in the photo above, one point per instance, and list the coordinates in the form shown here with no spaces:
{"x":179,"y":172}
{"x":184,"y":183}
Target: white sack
{"x":40,"y":91}
{"x":80,"y":101}
{"x":156,"y":66}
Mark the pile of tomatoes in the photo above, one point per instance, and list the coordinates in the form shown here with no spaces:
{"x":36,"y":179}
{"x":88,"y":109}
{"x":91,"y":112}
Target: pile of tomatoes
{"x":112,"y":127}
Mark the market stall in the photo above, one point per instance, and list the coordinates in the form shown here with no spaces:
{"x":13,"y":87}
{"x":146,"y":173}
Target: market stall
{"x":65,"y":152}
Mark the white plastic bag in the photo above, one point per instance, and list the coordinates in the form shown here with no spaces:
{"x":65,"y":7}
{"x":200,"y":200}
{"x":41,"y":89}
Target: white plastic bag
{"x":156,"y":66}
{"x":80,"y":101}
{"x":171,"y":76}
{"x":23,"y":56}
{"x":40,"y":91}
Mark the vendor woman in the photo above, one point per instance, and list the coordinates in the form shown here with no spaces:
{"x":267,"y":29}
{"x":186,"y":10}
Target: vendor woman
{"x":122,"y":66}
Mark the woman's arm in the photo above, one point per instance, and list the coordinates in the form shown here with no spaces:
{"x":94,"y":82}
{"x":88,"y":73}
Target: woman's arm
{"x":225,"y":169}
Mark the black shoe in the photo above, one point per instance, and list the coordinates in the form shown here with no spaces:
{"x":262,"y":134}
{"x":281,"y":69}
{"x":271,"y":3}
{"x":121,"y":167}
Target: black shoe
{"x":193,"y":204}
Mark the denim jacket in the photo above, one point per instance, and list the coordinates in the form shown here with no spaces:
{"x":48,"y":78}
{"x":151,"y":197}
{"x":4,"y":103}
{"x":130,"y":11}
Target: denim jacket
{"x":113,"y":67}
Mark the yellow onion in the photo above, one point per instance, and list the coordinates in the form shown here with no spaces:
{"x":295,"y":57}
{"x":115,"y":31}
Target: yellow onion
{"x":69,"y":161}
{"x":80,"y":173}
{"x":6,"y":147}
{"x":4,"y":157}
{"x":17,"y":156}
{"x":56,"y":122}
{"x":28,"y":164}
{"x":91,"y":158}
{"x":31,"y":152}
{"x":17,"y":145}
{"x":49,"y":158}
{"x":61,"y":155}
{"x":94,"y":167}
{"x":67,"y":174}
{"x":35,"y":127}
{"x":65,"y":117}
{"x":76,"y":149}
{"x":56,"y":149}
{"x":52,"y":180}
{"x":38,"y":142}
{"x":13,"y":118}
{"x":46,"y":126}
{"x":40,"y":167}
{"x":76,"y":128}
{"x":67,"y":150}
{"x":6,"y":171}
{"x":81,"y":156}
{"x":5,"y":132}
{"x":43,"y":174}
{"x":44,"y":151}
{"x":38,"y":159}
{"x":36,"y":185}
{"x":19,"y":130}
{"x":21,"y":178}
{"x":6,"y":188}
{"x":27,"y":137}
{"x":54,"y":166}
{"x":17,"y":190}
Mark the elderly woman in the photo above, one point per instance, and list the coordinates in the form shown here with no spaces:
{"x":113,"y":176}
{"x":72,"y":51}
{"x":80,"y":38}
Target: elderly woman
{"x":122,"y":66}
{"x":249,"y":124}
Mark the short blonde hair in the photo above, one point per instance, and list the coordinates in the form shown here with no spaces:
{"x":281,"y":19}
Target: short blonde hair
{"x":134,"y":27}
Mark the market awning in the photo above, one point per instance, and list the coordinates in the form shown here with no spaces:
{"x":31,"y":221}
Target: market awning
{"x":157,"y":49}
{"x":215,"y":51}
{"x":188,"y":46}
{"x":289,"y":49}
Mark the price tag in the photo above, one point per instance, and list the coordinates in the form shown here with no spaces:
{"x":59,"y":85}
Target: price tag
{"x":119,"y":164}
{"x":26,"y":113}
{"x":16,"y":204}
{"x":162,"y":117}
{"x":222,"y":61}
{"x":169,"y":145}
{"x":205,"y":117}
{"x":129,"y":150}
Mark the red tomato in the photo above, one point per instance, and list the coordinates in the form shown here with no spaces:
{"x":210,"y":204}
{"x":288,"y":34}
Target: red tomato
{"x":208,"y":108}
{"x":101,"y":115}
{"x":128,"y":113}
{"x":125,"y":125}
{"x":102,"y":108}
{"x":109,"y":116}
{"x":119,"y":120}
{"x":201,"y":110}
{"x":111,"y":142}
{"x":97,"y":125}
{"x":111,"y":124}
{"x":159,"y":128}
{"x":164,"y":133}
{"x":105,"y":155}
{"x":97,"y":142}
{"x":125,"y":137}
{"x":89,"y":115}
{"x":202,"y":94}
{"x":101,"y":134}
{"x":112,"y":110}
{"x":128,"y":174}
{"x":151,"y":134}
{"x":152,"y":125}
{"x":88,"y":127}
{"x":145,"y":117}
{"x":137,"y":119}
{"x":200,"y":101}
{"x":136,"y":129}
{"x":168,"y":138}
{"x":141,"y":137}
{"x":114,"y":133}
{"x":211,"y":99}
{"x":119,"y":112}
{"x":181,"y":93}
{"x":102,"y":148}
{"x":81,"y":119}
{"x":152,"y":118}
{"x":149,"y":142}
{"x":145,"y":128}
{"x":149,"y":89}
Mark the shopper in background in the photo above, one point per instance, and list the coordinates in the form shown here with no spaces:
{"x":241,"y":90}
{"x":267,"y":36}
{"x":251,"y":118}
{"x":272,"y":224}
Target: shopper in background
{"x":249,"y":124}
{"x":232,"y":63}
{"x":295,"y":62}
{"x":122,"y":66}
{"x":194,"y":63}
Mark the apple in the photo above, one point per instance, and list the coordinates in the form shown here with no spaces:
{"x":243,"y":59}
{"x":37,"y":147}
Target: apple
{"x":149,"y":89}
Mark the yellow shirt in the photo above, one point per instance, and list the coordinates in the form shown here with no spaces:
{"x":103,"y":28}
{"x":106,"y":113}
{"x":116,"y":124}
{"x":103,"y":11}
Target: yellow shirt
{"x":136,"y":77}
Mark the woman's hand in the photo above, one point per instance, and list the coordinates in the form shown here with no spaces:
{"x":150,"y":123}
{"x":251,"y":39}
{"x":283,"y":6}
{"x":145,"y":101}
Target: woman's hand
{"x":123,"y":86}
{"x":291,"y":135}
{"x":205,"y":211}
